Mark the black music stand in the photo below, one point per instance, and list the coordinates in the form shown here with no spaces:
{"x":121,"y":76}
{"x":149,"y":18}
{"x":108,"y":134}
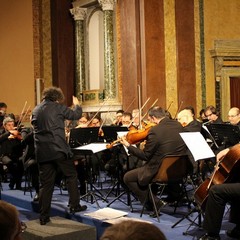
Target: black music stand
{"x":88,"y":150}
{"x":225,"y":135}
{"x":110,"y":135}
{"x":83,"y":136}
{"x":110,"y":132}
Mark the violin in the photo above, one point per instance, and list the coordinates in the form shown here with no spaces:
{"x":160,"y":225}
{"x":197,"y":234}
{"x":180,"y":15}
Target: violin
{"x":134,"y":136}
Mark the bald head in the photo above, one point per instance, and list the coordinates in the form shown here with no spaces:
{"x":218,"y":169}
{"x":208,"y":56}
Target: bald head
{"x":185,"y":117}
{"x":234,"y":115}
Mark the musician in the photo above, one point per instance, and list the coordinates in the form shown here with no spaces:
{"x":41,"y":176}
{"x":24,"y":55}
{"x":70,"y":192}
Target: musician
{"x":11,"y":150}
{"x":202,"y":117}
{"x":29,"y":159}
{"x":187,"y":120}
{"x":234,"y":116}
{"x":118,"y":120}
{"x":52,"y":151}
{"x":3,"y":114}
{"x":212,"y":115}
{"x":218,"y":197}
{"x":162,"y":139}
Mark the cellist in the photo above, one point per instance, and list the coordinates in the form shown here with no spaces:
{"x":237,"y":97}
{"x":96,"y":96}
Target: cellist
{"x":218,"y":196}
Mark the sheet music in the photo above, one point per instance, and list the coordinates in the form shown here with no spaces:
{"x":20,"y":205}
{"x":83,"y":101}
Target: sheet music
{"x":94,"y":147}
{"x":197,"y":145}
{"x":106,"y":214}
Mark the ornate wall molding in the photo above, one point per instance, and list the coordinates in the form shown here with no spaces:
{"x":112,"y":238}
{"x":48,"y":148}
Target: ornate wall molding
{"x":226,"y":54}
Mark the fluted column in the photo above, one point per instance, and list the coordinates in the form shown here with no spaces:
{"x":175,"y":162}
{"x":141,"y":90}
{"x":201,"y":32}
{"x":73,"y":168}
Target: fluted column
{"x":109,"y":59}
{"x":80,"y":82}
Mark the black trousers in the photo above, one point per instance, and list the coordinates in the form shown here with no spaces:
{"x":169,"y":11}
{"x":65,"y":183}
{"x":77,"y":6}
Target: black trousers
{"x":219,"y":195}
{"x":47,"y":171}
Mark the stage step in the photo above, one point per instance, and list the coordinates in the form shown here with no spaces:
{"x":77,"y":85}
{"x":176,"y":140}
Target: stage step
{"x":59,"y":229}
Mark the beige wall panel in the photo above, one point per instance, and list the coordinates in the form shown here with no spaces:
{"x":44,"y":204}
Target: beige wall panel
{"x":170,"y":56}
{"x":16,"y":54}
{"x":220,"y":22}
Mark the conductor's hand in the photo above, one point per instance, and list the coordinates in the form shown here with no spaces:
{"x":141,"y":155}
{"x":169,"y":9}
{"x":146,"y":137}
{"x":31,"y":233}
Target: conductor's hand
{"x":75,"y":101}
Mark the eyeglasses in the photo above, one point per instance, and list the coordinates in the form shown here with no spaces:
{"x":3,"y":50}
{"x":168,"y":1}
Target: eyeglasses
{"x":232,"y":116}
{"x":209,"y":115}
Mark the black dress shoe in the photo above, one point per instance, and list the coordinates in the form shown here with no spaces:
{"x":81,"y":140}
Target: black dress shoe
{"x":207,"y":237}
{"x":44,"y":220}
{"x":78,"y":208}
{"x":234,"y":233}
{"x":36,"y":198}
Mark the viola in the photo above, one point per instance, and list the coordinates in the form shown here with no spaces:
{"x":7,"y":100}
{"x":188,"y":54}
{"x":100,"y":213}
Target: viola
{"x":225,"y":171}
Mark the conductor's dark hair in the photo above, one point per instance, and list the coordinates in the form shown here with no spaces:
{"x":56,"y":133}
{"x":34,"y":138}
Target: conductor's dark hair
{"x":157,"y":112}
{"x":53,"y":94}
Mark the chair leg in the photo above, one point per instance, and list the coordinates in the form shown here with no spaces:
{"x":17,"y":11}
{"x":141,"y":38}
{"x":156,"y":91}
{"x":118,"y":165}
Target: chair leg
{"x":145,"y":201}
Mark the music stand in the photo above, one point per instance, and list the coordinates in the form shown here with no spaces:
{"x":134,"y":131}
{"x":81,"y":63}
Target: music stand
{"x":225,"y":134}
{"x":83,"y":136}
{"x":90,"y":149}
{"x":110,"y":132}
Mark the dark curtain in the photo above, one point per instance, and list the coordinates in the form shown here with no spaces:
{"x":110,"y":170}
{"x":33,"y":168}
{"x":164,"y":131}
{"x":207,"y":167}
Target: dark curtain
{"x":235,"y":91}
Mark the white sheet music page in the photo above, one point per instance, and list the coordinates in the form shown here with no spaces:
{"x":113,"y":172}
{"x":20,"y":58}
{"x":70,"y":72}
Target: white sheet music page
{"x":197,"y":145}
{"x":94,"y":147}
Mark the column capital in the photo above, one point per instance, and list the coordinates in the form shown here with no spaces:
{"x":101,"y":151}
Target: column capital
{"x":107,"y":4}
{"x":78,"y":13}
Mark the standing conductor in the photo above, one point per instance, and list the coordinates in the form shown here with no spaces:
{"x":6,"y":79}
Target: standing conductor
{"x":52,"y":150}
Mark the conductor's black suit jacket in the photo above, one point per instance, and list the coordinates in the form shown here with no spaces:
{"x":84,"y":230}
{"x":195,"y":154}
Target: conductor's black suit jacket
{"x":49,"y":130}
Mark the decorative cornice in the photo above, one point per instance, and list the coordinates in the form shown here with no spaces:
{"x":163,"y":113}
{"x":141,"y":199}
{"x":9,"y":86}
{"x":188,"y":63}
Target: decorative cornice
{"x":78,"y":13}
{"x":107,"y":4}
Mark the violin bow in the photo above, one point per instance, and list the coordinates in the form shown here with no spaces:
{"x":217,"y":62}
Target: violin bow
{"x":130,"y":105}
{"x":97,"y":112}
{"x":139,"y":112}
{"x":180,"y":105}
{"x":169,"y":106}
{"x":21,"y":115}
{"x":150,"y":107}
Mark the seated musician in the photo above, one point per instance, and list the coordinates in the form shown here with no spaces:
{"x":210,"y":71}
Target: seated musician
{"x":218,"y":196}
{"x":234,"y":116}
{"x":212,"y":115}
{"x":11,"y":150}
{"x":118,"y":118}
{"x":162,"y":139}
{"x":190,"y":124}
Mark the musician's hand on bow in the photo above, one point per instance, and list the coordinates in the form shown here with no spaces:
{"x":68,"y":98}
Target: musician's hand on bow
{"x":124,"y":141}
{"x":222,"y":154}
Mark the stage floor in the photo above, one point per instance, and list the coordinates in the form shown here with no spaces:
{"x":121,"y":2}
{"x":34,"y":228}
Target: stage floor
{"x":59,"y":208}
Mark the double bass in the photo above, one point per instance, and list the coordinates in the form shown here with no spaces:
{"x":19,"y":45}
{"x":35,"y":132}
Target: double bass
{"x":226,"y":170}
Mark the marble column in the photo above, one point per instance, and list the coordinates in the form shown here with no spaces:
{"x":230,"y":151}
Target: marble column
{"x":80,"y":80}
{"x":110,"y":89}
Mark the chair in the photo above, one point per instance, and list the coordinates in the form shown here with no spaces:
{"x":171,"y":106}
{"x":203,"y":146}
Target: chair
{"x":174,"y":169}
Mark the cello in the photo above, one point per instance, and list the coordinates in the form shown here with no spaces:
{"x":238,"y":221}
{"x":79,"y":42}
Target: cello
{"x":225,"y":171}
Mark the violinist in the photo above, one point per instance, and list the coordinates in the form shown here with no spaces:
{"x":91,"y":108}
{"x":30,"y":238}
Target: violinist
{"x":11,"y":151}
{"x":161,"y":140}
{"x":218,"y":196}
{"x":118,"y":118}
